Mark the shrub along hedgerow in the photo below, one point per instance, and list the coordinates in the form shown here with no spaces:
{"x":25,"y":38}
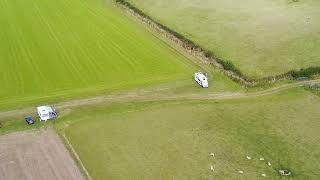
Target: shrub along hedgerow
{"x":308,"y":72}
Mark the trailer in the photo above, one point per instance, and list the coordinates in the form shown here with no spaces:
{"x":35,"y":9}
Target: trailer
{"x":201,"y":79}
{"x":46,"y":113}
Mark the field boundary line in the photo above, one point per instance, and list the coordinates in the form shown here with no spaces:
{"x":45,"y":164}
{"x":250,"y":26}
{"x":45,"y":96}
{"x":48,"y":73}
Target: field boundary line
{"x":76,"y":156}
{"x":205,"y":55}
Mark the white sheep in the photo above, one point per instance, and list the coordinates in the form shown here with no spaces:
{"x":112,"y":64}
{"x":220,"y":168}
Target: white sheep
{"x":211,"y":168}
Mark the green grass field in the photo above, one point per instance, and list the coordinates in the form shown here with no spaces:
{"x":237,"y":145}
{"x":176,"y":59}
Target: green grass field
{"x":261,"y":37}
{"x":56,"y":49}
{"x":172,"y":140}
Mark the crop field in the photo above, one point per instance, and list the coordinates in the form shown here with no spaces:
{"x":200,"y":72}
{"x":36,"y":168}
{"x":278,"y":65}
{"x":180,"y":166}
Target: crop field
{"x":173,"y":140}
{"x":56,"y":49}
{"x":36,"y":155}
{"x":261,"y":37}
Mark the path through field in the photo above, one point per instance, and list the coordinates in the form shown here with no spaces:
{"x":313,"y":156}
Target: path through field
{"x":153,"y":95}
{"x":36,"y":155}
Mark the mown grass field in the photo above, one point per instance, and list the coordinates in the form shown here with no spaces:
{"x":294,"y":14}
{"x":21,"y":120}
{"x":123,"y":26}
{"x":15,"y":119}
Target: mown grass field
{"x":172,"y":140}
{"x":261,"y":37}
{"x":50,"y":50}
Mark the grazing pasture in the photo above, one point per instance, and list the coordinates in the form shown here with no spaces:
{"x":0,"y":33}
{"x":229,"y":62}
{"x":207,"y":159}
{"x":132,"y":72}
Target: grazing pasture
{"x":66,"y":48}
{"x":261,"y":37}
{"x":176,"y":140}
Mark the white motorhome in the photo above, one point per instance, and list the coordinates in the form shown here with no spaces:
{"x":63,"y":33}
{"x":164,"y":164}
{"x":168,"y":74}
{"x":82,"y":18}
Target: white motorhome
{"x":201,"y":79}
{"x":46,"y":113}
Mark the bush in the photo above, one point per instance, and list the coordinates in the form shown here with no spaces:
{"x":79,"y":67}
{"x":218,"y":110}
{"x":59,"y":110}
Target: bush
{"x":209,"y":54}
{"x":305,"y":72}
{"x":229,"y":66}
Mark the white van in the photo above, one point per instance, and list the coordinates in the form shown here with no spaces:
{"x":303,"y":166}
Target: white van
{"x":201,"y":79}
{"x":46,"y":113}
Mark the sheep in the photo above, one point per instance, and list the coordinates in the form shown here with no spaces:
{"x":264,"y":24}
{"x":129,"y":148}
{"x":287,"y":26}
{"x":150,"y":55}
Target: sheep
{"x":211,"y":168}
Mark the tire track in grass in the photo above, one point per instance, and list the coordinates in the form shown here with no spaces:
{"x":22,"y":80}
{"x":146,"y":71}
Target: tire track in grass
{"x":17,"y":47}
{"x":45,"y":26}
{"x":91,"y":65}
{"x":65,"y":56}
{"x":24,"y":46}
{"x":37,"y":45}
{"x":29,"y":56}
{"x":5,"y":51}
{"x":113,"y":48}
{"x":99,"y":14}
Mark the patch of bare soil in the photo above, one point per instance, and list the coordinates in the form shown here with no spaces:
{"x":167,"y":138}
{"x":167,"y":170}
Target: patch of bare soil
{"x":36,"y":155}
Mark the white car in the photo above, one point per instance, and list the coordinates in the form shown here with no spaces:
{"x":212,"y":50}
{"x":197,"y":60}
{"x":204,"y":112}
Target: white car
{"x":201,"y":79}
{"x":46,"y":113}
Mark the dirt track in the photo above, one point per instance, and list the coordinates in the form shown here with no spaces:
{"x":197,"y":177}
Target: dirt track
{"x":36,"y":155}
